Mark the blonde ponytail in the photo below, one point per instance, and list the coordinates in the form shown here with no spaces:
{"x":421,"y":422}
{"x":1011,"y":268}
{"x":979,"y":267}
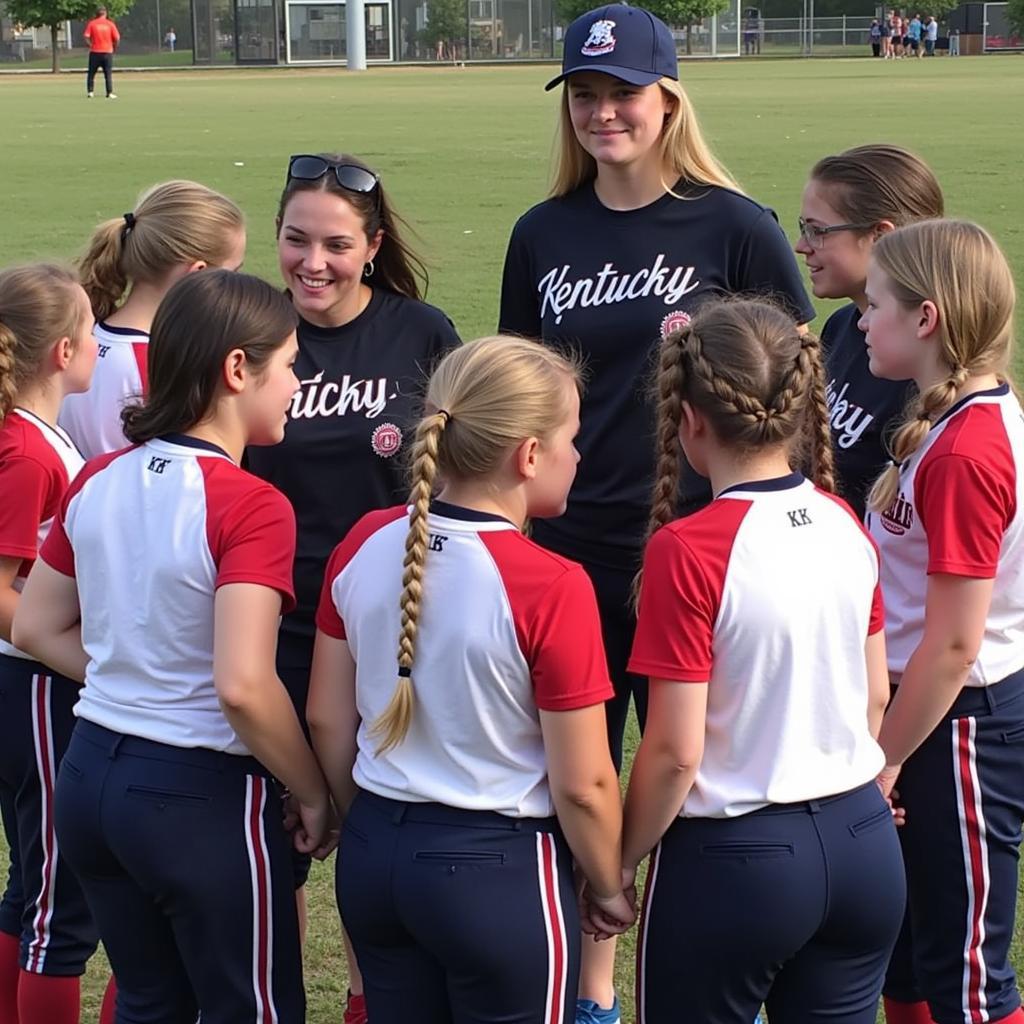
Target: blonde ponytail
{"x":176,"y":223}
{"x":8,"y":389}
{"x":393,"y":724}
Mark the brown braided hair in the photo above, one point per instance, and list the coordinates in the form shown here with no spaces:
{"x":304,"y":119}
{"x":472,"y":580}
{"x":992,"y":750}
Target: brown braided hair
{"x":959,"y":268}
{"x":483,"y":399}
{"x":745,"y":366}
{"x":39,"y":305}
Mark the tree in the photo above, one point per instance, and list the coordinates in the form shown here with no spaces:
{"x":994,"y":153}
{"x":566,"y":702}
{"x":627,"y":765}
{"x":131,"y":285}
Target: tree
{"x":685,"y":13}
{"x":678,"y":13}
{"x":1015,"y":14}
{"x":53,"y":13}
{"x":446,"y":24}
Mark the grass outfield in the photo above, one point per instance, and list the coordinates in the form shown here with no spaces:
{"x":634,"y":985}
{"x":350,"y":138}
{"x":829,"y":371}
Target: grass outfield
{"x":464,"y":152}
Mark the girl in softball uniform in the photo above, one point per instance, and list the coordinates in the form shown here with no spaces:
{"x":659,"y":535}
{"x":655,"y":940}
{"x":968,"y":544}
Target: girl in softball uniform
{"x":643,"y":225}
{"x":175,"y":228}
{"x":947,"y":517}
{"x":851,"y":200}
{"x":161,"y":584}
{"x":482,"y":776}
{"x":775,"y":872}
{"x":366,"y":344}
{"x":46,"y":934}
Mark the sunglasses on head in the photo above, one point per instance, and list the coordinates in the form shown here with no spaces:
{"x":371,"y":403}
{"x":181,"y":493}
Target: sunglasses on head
{"x":311,"y":168}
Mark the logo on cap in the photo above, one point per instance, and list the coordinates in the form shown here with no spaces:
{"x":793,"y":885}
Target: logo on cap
{"x":600,"y":39}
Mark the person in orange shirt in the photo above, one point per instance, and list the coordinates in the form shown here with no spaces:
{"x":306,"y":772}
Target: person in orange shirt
{"x":102,"y":36}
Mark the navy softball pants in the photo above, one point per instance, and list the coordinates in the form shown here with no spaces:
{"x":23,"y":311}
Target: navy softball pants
{"x":185,"y":863}
{"x":459,"y":917}
{"x":43,"y":903}
{"x":963,"y":790}
{"x":796,"y":906}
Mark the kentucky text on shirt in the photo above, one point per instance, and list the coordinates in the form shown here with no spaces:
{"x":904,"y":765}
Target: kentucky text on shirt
{"x":610,"y":286}
{"x":849,"y":421}
{"x":336,"y":398}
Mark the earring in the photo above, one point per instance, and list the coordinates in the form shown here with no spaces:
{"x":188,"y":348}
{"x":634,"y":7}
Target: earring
{"x":368,"y":269}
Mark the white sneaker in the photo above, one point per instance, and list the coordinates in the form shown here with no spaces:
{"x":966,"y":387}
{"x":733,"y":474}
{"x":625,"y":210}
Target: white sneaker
{"x":89,"y":95}
{"x":112,"y":96}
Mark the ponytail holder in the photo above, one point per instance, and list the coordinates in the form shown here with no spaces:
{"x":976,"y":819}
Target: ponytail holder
{"x":446,"y":414}
{"x":404,"y":672}
{"x":129,"y":225}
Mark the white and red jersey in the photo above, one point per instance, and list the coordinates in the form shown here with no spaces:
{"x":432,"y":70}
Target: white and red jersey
{"x":505,"y":628}
{"x":959,"y":512}
{"x":150,"y":533}
{"x":37,"y":463}
{"x":93,"y":418}
{"x":768,"y":595}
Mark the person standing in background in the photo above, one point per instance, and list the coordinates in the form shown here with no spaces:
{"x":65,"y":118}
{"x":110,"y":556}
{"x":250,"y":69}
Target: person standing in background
{"x":102,"y":36}
{"x":171,"y":38}
{"x":931,"y":35}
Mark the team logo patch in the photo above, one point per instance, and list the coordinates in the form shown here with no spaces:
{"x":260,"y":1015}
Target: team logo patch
{"x":386,"y":440}
{"x":676,"y":319}
{"x":600,"y":39}
{"x":898,"y":517}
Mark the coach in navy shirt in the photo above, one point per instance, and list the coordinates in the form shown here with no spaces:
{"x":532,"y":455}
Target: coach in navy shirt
{"x":642,"y":226}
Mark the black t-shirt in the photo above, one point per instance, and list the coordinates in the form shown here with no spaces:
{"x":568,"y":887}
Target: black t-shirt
{"x":609,"y":283}
{"x":349,"y":427}
{"x":862,"y":406}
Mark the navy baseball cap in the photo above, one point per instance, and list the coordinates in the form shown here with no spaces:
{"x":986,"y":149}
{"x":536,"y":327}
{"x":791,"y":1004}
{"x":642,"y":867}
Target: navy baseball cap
{"x":626,"y":42}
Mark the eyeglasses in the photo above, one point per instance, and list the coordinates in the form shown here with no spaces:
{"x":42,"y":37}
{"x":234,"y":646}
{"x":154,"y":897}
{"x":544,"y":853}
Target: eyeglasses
{"x":311,"y":168}
{"x":814,"y":234}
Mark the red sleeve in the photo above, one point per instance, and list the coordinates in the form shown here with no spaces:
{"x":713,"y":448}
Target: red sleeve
{"x":328,"y":618}
{"x":115,"y":35}
{"x":140,"y":349}
{"x":877,"y":621}
{"x":565,"y":649}
{"x":675,"y":628}
{"x":965,"y":507}
{"x":87,"y":34}
{"x":27,"y":487}
{"x":253,"y":540}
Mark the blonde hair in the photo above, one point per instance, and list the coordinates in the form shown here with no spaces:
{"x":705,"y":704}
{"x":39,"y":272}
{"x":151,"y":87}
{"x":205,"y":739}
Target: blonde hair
{"x":683,"y":149}
{"x":957,"y":266}
{"x":38,"y":307}
{"x":175,"y":223}
{"x":745,"y":366}
{"x":483,"y":399}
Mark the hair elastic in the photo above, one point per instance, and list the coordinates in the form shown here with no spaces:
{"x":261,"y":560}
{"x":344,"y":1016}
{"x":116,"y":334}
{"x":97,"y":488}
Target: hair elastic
{"x":446,"y":414}
{"x":404,"y":672}
{"x":129,"y":225}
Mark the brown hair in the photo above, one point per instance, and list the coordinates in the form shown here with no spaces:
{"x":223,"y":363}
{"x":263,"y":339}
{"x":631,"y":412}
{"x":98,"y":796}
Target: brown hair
{"x":483,"y":399}
{"x":38,"y":307}
{"x":175,"y":223}
{"x":396,"y":265}
{"x":957,"y":266}
{"x":746,"y":367}
{"x":685,"y":154}
{"x":200,"y":320}
{"x":870,"y":184}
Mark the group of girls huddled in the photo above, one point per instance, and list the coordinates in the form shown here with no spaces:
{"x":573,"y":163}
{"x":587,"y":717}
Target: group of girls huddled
{"x":331,"y":578}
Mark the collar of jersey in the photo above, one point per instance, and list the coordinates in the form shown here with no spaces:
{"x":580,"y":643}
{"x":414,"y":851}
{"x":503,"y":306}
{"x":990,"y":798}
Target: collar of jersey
{"x":45,"y":427}
{"x":778,"y":483}
{"x":460,"y":513}
{"x":126,"y":332}
{"x":184,"y":441}
{"x":996,"y":392}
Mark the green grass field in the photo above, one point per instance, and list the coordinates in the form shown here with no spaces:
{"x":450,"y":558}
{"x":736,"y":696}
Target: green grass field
{"x":464,"y":152}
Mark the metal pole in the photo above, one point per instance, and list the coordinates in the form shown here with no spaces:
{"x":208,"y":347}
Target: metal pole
{"x":810,"y":38}
{"x":844,"y":31}
{"x":159,"y":34}
{"x":355,"y":32}
{"x":714,"y":35}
